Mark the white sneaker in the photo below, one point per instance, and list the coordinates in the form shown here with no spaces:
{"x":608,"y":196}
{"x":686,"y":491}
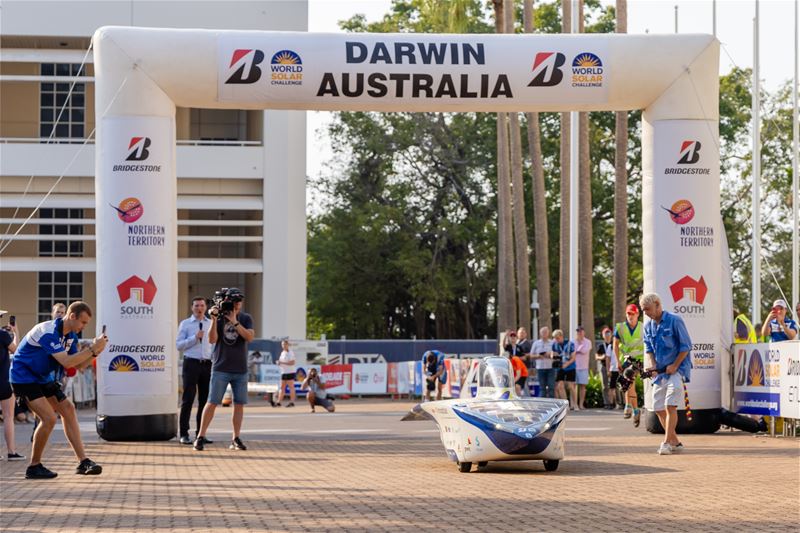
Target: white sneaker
{"x":665,"y":449}
{"x":627,"y":412}
{"x":677,"y":448}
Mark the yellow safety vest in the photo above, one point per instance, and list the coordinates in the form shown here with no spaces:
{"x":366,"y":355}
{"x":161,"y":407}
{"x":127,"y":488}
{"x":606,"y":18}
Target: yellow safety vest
{"x":631,"y":343}
{"x":742,"y":324}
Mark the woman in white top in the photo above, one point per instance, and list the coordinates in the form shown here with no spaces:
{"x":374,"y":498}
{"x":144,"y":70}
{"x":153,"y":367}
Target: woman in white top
{"x":286,"y":363}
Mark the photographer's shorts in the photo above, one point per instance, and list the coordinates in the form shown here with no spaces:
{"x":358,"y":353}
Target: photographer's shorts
{"x":668,"y":391}
{"x":324,"y":402}
{"x":569,"y":376}
{"x":220,"y":381}
{"x":614,"y":377}
{"x":33,"y":391}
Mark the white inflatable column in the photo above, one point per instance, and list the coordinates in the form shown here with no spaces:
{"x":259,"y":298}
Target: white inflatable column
{"x":682,"y":230}
{"x":135,"y":211}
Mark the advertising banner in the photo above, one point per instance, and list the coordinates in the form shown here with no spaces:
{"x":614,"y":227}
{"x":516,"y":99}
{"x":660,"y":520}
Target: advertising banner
{"x":270,"y":377}
{"x":368,"y":378}
{"x":766,"y":379}
{"x":453,"y":378}
{"x":391,"y":380}
{"x":405,"y":377}
{"x":333,"y":71}
{"x":682,"y":243}
{"x":336,"y":378}
{"x":137,"y":274}
{"x":419,"y":380}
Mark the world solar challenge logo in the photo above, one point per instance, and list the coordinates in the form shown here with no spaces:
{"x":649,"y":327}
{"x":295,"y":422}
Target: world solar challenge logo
{"x":587,"y":70}
{"x":287,"y":68}
{"x":123,"y":363}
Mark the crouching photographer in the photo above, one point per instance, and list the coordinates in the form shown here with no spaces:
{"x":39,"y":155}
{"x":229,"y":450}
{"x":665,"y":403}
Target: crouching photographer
{"x":230,"y":331}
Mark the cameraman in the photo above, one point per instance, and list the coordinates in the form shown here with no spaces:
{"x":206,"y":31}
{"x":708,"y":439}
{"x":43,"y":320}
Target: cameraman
{"x":666,"y":345}
{"x":230,"y":331}
{"x":434,"y":369}
{"x":316,"y":392}
{"x":44,"y":349}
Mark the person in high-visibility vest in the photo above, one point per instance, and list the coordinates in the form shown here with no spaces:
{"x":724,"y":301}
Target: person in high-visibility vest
{"x":629,"y":342}
{"x":744,"y":332}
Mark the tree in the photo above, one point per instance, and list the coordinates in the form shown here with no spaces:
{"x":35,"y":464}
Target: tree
{"x":621,"y":194}
{"x":563,"y":278}
{"x":506,"y":294}
{"x":518,"y":207}
{"x":541,"y":242}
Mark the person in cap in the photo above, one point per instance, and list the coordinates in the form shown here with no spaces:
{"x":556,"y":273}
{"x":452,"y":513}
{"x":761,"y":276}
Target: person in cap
{"x":629,"y":343}
{"x":777,"y":325}
{"x":229,"y":333}
{"x":608,"y":368}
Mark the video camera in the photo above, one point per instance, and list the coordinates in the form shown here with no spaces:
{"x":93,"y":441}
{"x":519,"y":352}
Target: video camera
{"x":631,"y":367}
{"x":225,"y":298}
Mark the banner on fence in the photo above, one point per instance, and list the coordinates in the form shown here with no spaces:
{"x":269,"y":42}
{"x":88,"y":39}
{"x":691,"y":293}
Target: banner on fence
{"x":767,"y":379}
{"x":369,"y":378}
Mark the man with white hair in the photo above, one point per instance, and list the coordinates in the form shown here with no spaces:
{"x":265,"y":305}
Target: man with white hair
{"x":666,"y":345}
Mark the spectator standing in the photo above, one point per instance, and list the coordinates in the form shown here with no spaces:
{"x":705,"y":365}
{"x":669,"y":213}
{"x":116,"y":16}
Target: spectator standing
{"x":629,"y":343}
{"x":193,"y":342}
{"x":9,"y":339}
{"x":565,"y":376}
{"x":42,"y":350}
{"x":608,"y":369}
{"x":229,"y":334}
{"x":520,"y":373}
{"x":316,"y":392}
{"x":583,"y":351}
{"x":286,"y":362}
{"x":777,"y":326}
{"x":542,"y":355}
{"x":525,"y":344}
{"x":667,"y":345}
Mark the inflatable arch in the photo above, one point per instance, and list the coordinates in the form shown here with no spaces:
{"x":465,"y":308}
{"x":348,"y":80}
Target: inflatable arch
{"x":143,"y":74}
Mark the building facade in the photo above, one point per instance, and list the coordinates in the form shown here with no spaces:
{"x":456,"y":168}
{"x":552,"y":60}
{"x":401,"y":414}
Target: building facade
{"x":241,"y":173}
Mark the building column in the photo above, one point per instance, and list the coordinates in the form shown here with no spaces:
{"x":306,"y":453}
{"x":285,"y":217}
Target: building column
{"x":283,"y":295}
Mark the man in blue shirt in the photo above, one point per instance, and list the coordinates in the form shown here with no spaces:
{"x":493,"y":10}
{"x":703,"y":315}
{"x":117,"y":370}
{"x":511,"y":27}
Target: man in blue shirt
{"x":434,"y":369}
{"x":666,"y":346}
{"x":777,"y":325}
{"x":565,"y":363}
{"x":193,"y":342}
{"x":48,"y":346}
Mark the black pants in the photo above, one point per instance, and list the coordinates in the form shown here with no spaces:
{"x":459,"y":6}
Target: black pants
{"x":196,"y":379}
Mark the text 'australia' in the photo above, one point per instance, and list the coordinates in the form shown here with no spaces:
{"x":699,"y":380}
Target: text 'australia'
{"x":414,"y":84}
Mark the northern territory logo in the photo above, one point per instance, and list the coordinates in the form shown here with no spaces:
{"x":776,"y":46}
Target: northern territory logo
{"x":136,"y":296}
{"x":287,"y":68}
{"x":243,"y":68}
{"x":688,"y":155}
{"x":138,"y":151}
{"x":681,"y":212}
{"x":691,"y":235}
{"x":546,"y":69}
{"x":587,"y":70}
{"x":688,"y":288}
{"x":130,"y":210}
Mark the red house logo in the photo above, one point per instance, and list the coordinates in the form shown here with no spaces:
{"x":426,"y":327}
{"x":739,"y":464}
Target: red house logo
{"x":689,"y":288}
{"x":137,"y":289}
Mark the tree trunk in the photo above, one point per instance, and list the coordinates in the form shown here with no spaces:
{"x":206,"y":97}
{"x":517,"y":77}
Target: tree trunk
{"x":621,"y":194}
{"x":585,"y":263}
{"x":563,"y":277}
{"x":521,"y":251}
{"x":506,"y":301}
{"x":541,"y":242}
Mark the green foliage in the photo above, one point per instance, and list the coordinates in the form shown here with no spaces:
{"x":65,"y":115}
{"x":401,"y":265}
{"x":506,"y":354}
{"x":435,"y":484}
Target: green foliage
{"x":594,"y":391}
{"x":405,"y":242}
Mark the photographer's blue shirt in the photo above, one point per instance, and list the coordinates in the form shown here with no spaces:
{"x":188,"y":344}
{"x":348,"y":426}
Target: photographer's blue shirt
{"x":565,"y":349}
{"x":776,"y":333}
{"x":440,"y":357}
{"x":33,"y":362}
{"x":665,"y":340}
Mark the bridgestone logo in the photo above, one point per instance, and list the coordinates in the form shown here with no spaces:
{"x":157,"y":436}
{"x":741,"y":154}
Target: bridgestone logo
{"x":136,"y":348}
{"x":137,"y":168}
{"x":702,"y":171}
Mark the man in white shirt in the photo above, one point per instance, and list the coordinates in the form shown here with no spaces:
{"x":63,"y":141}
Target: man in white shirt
{"x":193,"y":342}
{"x":288,"y":374}
{"x":542,"y":354}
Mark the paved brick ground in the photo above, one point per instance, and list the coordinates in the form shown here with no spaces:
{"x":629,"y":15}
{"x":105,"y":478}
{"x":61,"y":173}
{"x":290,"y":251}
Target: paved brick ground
{"x":362,"y":469}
